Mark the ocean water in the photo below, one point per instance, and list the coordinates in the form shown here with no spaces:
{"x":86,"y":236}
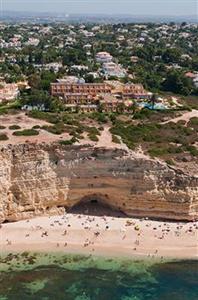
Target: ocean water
{"x":30,"y":276}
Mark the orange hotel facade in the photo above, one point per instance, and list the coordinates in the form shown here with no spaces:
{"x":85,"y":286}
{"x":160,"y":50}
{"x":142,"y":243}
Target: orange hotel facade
{"x":93,"y":89}
{"x":88,"y":94}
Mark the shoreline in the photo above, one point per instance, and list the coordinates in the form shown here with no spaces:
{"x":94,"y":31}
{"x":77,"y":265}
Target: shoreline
{"x":102,"y":236}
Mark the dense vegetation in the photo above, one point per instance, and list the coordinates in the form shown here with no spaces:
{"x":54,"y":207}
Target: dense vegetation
{"x":164,"y":140}
{"x":164,"y":54}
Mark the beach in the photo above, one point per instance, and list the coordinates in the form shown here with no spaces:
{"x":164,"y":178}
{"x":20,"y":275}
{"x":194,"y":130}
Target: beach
{"x":102,"y":236}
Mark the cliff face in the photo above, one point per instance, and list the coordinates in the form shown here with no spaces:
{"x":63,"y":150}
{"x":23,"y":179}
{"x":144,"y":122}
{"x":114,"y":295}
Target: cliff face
{"x":40,"y":179}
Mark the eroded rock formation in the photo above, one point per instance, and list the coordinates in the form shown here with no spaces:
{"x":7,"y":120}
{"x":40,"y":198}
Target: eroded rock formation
{"x":45,"y":180}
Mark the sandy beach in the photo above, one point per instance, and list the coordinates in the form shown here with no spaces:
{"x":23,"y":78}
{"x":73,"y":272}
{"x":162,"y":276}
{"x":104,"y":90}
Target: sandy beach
{"x":108,"y":236}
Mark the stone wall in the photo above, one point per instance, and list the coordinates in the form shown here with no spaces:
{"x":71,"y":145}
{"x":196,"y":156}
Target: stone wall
{"x":45,"y":180}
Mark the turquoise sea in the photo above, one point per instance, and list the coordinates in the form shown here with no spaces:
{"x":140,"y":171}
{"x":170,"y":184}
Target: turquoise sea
{"x":30,"y":276}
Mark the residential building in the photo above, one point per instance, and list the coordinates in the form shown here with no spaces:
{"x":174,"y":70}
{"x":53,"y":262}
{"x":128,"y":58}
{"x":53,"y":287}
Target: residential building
{"x":103,"y":57}
{"x":135,"y":91}
{"x":60,"y":89}
{"x":71,"y":80}
{"x":33,"y":42}
{"x":113,"y":70}
{"x":194,"y":77}
{"x":77,"y":98}
{"x":8,"y":91}
{"x":88,"y":96}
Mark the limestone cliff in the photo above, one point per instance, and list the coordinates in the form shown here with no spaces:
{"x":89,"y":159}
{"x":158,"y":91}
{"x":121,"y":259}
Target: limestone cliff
{"x":47,"y":179}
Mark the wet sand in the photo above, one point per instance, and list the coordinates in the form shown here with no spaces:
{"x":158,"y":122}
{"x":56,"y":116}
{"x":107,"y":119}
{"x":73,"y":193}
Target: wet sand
{"x":106,"y":236}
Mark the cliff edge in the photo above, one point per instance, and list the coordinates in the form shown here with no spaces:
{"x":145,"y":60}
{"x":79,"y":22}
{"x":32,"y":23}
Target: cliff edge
{"x":41,"y":179}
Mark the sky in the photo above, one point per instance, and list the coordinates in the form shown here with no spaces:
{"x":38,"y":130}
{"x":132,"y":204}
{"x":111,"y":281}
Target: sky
{"x":133,"y":7}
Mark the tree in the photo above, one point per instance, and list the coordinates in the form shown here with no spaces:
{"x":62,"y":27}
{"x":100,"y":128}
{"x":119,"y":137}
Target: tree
{"x":195,"y":64}
{"x":74,"y":56}
{"x":178,"y":83}
{"x":34,"y":81}
{"x":46,"y":78}
{"x":171,"y":55}
{"x":42,"y":100}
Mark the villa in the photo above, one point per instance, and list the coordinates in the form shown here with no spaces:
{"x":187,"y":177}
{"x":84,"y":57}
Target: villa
{"x":8,"y":92}
{"x":111,"y":69}
{"x":104,"y":57}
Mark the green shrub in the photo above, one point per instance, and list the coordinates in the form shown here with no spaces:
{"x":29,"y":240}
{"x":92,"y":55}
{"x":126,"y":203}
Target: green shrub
{"x":36,"y":127}
{"x":48,"y":117}
{"x":192,"y":149}
{"x":68,"y":142}
{"x":115,"y":139}
{"x":175,"y":149}
{"x":14,"y":127}
{"x":2,"y":127}
{"x":3,"y":137}
{"x":157,"y":151}
{"x":93,"y":137}
{"x":99,"y":117}
{"x":170,"y":162}
{"x":58,"y":128}
{"x":193,"y":122}
{"x":181,"y":122}
{"x":3,"y":111}
{"x":92,"y":130}
{"x":26,"y":132}
{"x":102,"y":118}
{"x":80,"y":129}
{"x":113,"y":118}
{"x":144,"y":113}
{"x":70,"y":121}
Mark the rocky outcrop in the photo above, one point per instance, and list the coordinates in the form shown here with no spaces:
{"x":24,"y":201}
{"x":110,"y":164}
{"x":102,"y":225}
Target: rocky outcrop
{"x":49,"y":179}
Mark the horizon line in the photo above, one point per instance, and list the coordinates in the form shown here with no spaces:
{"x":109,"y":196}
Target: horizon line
{"x":99,"y":14}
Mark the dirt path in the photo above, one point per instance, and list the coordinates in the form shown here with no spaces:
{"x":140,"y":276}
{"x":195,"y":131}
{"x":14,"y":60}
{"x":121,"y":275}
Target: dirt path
{"x":185,"y":117}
